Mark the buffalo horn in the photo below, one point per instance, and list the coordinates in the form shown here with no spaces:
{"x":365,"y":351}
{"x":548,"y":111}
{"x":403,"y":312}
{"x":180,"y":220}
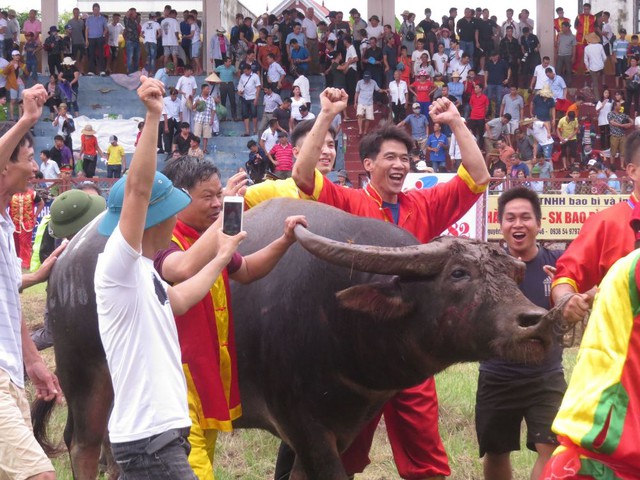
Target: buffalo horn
{"x":409,"y":261}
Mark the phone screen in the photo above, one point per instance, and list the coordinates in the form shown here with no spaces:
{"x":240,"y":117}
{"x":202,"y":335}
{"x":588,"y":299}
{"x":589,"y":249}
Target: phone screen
{"x":232,"y":217}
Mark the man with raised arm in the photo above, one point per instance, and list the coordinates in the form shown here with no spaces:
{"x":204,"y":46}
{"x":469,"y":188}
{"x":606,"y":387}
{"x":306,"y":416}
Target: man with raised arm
{"x":20,"y":454}
{"x":149,"y":423}
{"x":412,"y":415}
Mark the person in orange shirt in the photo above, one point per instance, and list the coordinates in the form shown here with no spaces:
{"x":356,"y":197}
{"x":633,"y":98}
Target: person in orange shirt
{"x":14,"y":73}
{"x":585,"y":24}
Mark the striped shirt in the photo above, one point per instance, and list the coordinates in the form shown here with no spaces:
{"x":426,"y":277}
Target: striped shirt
{"x":10,"y":311}
{"x":620,"y":48}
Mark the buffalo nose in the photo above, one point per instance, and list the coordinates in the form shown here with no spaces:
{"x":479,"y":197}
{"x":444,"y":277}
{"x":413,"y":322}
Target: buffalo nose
{"x":531,"y":318}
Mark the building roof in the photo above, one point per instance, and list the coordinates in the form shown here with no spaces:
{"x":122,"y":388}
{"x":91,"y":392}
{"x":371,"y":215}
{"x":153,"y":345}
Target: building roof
{"x":320,"y":11}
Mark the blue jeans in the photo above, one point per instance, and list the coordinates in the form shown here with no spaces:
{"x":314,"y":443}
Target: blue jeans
{"x":133,"y":55}
{"x":546,"y":150}
{"x":495,"y":92}
{"x":32,"y":68}
{"x":468,"y":47}
{"x":152,"y":50}
{"x":169,"y":462}
{"x":114,"y":171}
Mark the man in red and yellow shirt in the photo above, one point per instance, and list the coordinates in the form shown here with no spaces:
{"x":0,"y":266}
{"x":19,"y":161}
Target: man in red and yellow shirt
{"x":603,"y":239}
{"x":585,"y":24}
{"x":412,"y":415}
{"x":205,"y":332}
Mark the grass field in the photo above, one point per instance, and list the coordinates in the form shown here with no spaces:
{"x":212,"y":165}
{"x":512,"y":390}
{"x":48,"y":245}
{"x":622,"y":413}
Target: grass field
{"x":250,"y":454}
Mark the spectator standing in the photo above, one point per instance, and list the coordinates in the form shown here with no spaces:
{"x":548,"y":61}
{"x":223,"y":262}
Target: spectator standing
{"x":437,"y":143}
{"x":510,"y":23}
{"x":15,"y":72}
{"x":54,"y":46}
{"x":33,"y":25}
{"x":540,"y":78}
{"x":12,"y":33}
{"x":187,"y":88}
{"x":132,"y":40}
{"x":78,"y":45}
{"x":351,"y":60}
{"x":585,"y":24}
{"x":542,"y":139}
{"x":513,"y":104}
{"x":272,"y":102}
{"x":511,"y":52}
{"x":49,"y":168}
{"x":310,"y":31}
{"x":619,"y":123}
{"x":299,"y":57}
{"x":419,"y":126}
{"x":269,"y":137}
{"x":150,"y":33}
{"x":565,"y":52}
{"x":567,"y":132}
{"x":524,"y":144}
{"x":219,"y":48}
{"x":531,"y":58}
{"x":169,"y":120}
{"x":374,"y":28}
{"x":305,"y":90}
{"x":116,"y":158}
{"x":283,"y":114}
{"x":632,"y":75}
{"x":95,"y":33}
{"x":603,"y":108}
{"x":227,"y":72}
{"x":196,"y":43}
{"x":275,"y":73}
{"x":399,"y":97}
{"x":204,"y":107}
{"x":170,"y":35}
{"x":364,"y":101}
{"x":408,"y":30}
{"x":115,"y":29}
{"x":31,"y":47}
{"x":60,"y":153}
{"x":248,"y":91}
{"x":69,"y":82}
{"x":281,"y":157}
{"x":182,"y":140}
{"x":543,"y":106}
{"x":498,"y":76}
{"x":422,"y":89}
{"x":466,"y":30}
{"x":483,"y":39}
{"x":3,"y":34}
{"x":620,"y":46}
{"x":89,"y":151}
{"x":594,"y":61}
{"x":494,"y":130}
{"x":479,"y":104}
{"x":185,"y":35}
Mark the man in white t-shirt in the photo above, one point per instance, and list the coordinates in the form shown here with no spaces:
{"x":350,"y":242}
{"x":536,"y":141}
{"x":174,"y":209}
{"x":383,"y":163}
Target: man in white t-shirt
{"x":269,"y":137}
{"x":416,"y":56}
{"x":170,"y":36}
{"x":539,"y":78}
{"x":248,"y":90}
{"x":351,"y":59}
{"x":3,"y":31}
{"x":303,"y":83}
{"x":187,"y":87}
{"x":374,"y":28}
{"x":150,"y":32}
{"x":149,"y":423}
{"x":115,"y":28}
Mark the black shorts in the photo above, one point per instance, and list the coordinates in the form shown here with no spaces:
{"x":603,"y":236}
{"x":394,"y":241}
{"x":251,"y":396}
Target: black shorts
{"x":114,"y":51}
{"x":502,"y":405}
{"x":249,"y":110}
{"x":569,"y":149}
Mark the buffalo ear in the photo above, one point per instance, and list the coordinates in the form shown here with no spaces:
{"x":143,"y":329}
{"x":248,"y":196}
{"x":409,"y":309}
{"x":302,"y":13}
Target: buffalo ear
{"x":380,"y":301}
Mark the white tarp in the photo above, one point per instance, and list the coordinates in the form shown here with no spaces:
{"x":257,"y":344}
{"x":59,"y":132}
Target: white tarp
{"x":126,"y":130}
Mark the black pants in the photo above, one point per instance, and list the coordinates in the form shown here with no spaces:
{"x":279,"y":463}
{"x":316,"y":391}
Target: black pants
{"x":399,"y":112}
{"x":228,"y":89}
{"x":89,"y":166}
{"x":95,"y":53}
{"x":633,"y":99}
{"x":8,"y":48}
{"x":167,"y":137}
{"x":352,"y":80}
{"x":605,"y":132}
{"x":477,"y":129}
{"x":53,"y":59}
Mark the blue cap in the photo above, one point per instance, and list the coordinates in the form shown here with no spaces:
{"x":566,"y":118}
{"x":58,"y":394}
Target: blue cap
{"x":165,"y":202}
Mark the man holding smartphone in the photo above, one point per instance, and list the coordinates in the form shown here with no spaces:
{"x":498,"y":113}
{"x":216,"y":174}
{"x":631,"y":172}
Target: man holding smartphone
{"x":149,"y":422}
{"x":206,"y":332}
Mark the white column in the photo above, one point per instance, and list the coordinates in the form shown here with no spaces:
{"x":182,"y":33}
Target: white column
{"x":544,"y":28}
{"x":212,"y":20}
{"x":49,"y":15}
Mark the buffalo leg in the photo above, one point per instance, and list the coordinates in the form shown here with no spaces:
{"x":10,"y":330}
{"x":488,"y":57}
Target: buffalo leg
{"x":317,"y":456}
{"x":90,"y":413}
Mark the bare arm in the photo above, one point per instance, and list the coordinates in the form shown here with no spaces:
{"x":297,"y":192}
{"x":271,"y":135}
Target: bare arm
{"x":260,"y":263}
{"x":143,"y":166}
{"x":332,"y":102}
{"x":33,"y":101}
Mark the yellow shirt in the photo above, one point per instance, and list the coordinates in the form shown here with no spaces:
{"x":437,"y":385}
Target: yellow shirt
{"x":256,"y":194}
{"x":115,"y":154}
{"x":568,"y":129}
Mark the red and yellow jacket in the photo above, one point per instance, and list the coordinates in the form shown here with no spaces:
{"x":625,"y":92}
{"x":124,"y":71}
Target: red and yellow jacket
{"x":207,"y":343}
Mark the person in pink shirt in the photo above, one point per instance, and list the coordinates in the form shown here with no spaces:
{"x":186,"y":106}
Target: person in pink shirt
{"x":32,"y":24}
{"x":281,"y":156}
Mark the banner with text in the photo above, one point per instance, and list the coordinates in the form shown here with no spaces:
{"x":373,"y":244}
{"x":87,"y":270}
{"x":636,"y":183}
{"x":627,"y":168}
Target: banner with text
{"x":562,"y":215}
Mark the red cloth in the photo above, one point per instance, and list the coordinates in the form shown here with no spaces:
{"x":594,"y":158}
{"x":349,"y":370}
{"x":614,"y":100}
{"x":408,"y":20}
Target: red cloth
{"x":24,"y":247}
{"x":479,"y":105}
{"x":604,"y":238}
{"x":89,"y":144}
{"x":412,"y":415}
{"x":284,"y":157}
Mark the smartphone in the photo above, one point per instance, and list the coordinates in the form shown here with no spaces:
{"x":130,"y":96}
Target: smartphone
{"x":232,"y":209}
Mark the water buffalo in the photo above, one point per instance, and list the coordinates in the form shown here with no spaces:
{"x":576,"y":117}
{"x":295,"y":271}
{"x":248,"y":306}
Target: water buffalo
{"x":325,"y":339}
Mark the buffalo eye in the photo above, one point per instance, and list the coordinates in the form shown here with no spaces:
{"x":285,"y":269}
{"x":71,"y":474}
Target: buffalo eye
{"x":459,"y":274}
